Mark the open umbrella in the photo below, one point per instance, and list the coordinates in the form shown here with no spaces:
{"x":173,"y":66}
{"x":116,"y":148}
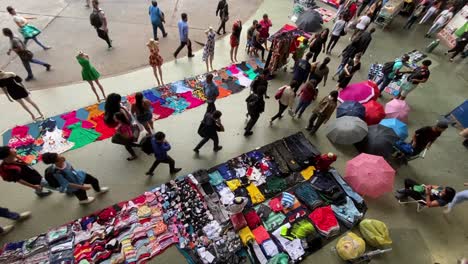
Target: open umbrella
{"x":397,"y":109}
{"x":376,"y":89}
{"x":379,"y":141}
{"x":400,"y":128}
{"x":359,"y":92}
{"x":374,"y":112}
{"x":310,"y":21}
{"x":347,"y":130}
{"x":351,"y":108}
{"x":370,"y":175}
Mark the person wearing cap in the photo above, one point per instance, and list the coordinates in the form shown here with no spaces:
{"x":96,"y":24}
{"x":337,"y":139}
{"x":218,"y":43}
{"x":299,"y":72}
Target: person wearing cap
{"x":420,"y":75}
{"x":388,"y":78}
{"x":424,"y":137}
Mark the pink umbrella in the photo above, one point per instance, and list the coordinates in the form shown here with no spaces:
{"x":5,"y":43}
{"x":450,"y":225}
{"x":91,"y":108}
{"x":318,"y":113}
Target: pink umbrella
{"x":359,"y":92}
{"x":370,"y":175}
{"x":398,"y":109}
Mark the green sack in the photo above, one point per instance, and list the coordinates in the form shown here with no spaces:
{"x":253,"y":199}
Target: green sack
{"x":419,"y":188}
{"x":375,"y":233}
{"x":459,"y":32}
{"x":281,"y":258}
{"x":350,"y":246}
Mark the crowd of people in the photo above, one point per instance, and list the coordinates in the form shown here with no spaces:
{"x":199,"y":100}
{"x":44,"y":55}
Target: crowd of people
{"x":308,"y":72}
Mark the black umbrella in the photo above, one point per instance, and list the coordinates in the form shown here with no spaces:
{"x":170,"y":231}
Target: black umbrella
{"x":310,"y":21}
{"x":379,"y":141}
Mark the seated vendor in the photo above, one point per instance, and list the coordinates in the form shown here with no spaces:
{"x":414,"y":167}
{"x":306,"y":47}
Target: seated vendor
{"x":433,"y":195}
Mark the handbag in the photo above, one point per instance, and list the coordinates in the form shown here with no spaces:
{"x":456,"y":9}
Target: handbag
{"x":279,"y":93}
{"x":25,"y":55}
{"x":202,"y":130}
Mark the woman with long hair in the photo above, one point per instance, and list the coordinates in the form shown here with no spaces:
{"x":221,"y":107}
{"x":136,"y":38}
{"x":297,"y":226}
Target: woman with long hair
{"x":142,"y":110}
{"x":124,"y":134}
{"x":235,"y":38}
{"x":155,"y":60}
{"x":112,"y":106}
{"x":317,"y":44}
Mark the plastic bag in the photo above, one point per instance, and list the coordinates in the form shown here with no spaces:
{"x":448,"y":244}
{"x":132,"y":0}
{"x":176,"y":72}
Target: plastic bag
{"x":350,"y":246}
{"x":375,"y":233}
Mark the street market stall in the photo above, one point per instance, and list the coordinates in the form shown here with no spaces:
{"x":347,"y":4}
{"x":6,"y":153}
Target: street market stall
{"x":389,"y":11}
{"x":455,"y":28}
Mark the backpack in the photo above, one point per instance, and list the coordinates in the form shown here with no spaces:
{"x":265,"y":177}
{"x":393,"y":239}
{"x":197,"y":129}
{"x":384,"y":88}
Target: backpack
{"x":388,"y":67}
{"x":146,"y":145}
{"x":252,"y":103}
{"x":50,"y":177}
{"x":95,"y":19}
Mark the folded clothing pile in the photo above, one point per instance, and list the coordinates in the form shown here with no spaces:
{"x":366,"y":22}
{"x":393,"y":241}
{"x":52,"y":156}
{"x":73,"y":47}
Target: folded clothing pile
{"x":347,"y":213}
{"x":329,"y":190}
{"x":325,"y":221}
{"x":307,"y":194}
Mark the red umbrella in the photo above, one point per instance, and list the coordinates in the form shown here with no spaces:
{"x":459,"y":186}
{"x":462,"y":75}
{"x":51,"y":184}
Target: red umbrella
{"x":370,"y":175}
{"x":376,"y":89}
{"x":374,"y":112}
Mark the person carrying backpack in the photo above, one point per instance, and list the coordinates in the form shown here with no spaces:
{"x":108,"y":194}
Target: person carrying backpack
{"x":209,"y":128}
{"x":12,"y":169}
{"x":99,"y":21}
{"x":160,"y":148}
{"x":157,"y":19}
{"x":255,"y":106}
{"x":70,"y":180}
{"x":390,"y":70}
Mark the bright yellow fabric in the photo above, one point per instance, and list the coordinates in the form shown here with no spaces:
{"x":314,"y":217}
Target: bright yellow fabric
{"x":233,"y":184}
{"x":308,"y":172}
{"x":246,"y":235}
{"x":255,"y":195}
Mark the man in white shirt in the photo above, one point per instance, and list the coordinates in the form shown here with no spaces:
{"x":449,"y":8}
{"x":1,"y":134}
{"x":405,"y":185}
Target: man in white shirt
{"x":362,"y":24}
{"x":441,"y":20}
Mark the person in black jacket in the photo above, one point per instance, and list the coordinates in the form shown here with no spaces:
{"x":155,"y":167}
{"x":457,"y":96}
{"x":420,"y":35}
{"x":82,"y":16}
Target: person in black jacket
{"x":209,"y":129}
{"x":260,"y":84}
{"x":460,"y":45}
{"x":223,"y":11}
{"x":255,"y":106}
{"x":364,"y":40}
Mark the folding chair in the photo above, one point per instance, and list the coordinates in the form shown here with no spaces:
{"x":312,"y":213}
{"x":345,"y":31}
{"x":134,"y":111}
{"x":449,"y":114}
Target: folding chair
{"x":421,"y":203}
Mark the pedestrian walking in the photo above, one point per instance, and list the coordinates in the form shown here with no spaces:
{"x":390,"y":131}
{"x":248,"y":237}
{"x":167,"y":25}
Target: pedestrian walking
{"x":26,"y":29}
{"x":319,"y":71}
{"x":460,"y":44}
{"x":364,"y":39}
{"x":183,"y":35}
{"x":322,"y":112}
{"x":347,"y":54}
{"x":125,"y":135}
{"x":307,"y":93}
{"x":441,"y":20}
{"x":431,"y":11}
{"x":235,"y":39}
{"x":363,"y":5}
{"x":391,"y":70}
{"x":142,"y":111}
{"x":317,"y":44}
{"x":208,"y":129}
{"x":259,"y":85}
{"x":211,"y":91}
{"x":223,"y":11}
{"x":374,"y":9}
{"x":285,"y":96}
{"x":302,"y":70}
{"x":160,"y":149}
{"x":112,"y":106}
{"x":15,"y":90}
{"x":25,"y":55}
{"x":459,"y":198}
{"x":362,"y":24}
{"x":6,"y":213}
{"x":99,"y":21}
{"x":90,"y":74}
{"x":351,"y":67}
{"x":255,"y":106}
{"x":420,"y":75}
{"x":157,"y":19}
{"x":155,"y":60}
{"x":13,"y":169}
{"x":338,"y":30}
{"x":415,"y":15}
{"x":208,"y":50}
{"x":424,"y":137}
{"x":265,"y":24}
{"x":71,"y":180}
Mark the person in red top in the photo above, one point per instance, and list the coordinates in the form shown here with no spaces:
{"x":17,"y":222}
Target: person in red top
{"x":352,"y":10}
{"x":13,"y":169}
{"x":308,"y":92}
{"x":265,"y":30}
{"x":324,"y":161}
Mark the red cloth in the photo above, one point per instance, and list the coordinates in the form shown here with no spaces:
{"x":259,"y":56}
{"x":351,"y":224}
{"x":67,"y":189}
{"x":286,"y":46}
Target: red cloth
{"x":106,"y":215}
{"x":324,"y":218}
{"x":101,"y":127}
{"x":140,"y":200}
{"x":161,"y":111}
{"x":323,"y":162}
{"x":275,"y":204}
{"x":352,"y":9}
{"x":252,"y":218}
{"x":260,"y":234}
{"x":238,"y":221}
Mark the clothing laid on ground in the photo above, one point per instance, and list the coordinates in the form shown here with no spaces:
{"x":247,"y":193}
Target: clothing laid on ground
{"x":82,"y":136}
{"x":88,"y":72}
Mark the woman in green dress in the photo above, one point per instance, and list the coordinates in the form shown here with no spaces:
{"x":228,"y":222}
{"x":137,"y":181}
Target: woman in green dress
{"x":89,"y":74}
{"x":27,"y":30}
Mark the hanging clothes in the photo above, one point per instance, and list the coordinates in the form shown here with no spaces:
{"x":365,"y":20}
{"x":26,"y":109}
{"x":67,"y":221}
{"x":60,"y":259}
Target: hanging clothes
{"x":52,"y":138}
{"x":81,"y":136}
